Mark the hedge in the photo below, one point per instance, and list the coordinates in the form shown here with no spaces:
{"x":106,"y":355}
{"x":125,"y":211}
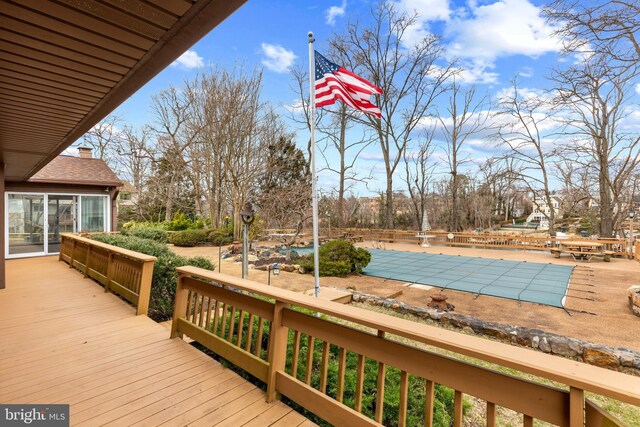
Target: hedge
{"x":337,"y":258}
{"x":163,"y":284}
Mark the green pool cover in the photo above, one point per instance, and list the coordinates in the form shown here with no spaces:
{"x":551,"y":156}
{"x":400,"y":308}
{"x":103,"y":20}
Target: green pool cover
{"x":522,"y":281}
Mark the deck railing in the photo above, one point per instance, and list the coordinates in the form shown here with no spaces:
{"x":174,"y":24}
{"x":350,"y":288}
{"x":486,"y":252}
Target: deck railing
{"x":121,"y":271}
{"x":260,"y":330}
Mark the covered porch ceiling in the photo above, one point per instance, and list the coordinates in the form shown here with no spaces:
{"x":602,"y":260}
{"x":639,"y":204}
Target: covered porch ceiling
{"x":66,"y":64}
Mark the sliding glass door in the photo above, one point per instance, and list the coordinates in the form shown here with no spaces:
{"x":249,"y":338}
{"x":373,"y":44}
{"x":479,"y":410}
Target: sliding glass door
{"x":61,"y":216}
{"x":34,"y":221}
{"x":25,"y":222}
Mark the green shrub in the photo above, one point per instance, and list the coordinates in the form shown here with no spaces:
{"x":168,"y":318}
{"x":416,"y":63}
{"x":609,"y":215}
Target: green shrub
{"x":220,"y":236}
{"x":337,"y":258}
{"x":163,"y":285}
{"x":189,"y":238}
{"x":145,"y":232}
{"x":181,"y":222}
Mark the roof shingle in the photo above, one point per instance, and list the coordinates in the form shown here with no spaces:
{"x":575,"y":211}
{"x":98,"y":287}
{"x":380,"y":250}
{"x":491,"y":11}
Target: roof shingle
{"x":76,"y":170}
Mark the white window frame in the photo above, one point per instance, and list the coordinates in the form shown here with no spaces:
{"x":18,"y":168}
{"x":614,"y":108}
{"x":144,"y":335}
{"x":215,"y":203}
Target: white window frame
{"x":77,"y":225}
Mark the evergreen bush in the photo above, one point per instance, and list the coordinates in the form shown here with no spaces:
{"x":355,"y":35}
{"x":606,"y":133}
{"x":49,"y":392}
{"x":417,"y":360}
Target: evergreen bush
{"x":147,"y":232}
{"x":189,"y":238}
{"x":337,"y":258}
{"x":220,"y":236}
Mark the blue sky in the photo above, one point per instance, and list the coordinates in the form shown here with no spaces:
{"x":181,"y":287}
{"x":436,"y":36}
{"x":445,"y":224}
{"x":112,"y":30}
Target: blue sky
{"x":494,"y":41}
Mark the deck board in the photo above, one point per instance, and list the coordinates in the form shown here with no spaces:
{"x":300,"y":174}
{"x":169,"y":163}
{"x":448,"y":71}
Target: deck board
{"x":66,"y":341}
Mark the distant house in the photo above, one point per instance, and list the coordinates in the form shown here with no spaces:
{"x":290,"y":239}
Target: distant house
{"x":542,"y":210}
{"x":128,"y":196}
{"x":70,"y":194}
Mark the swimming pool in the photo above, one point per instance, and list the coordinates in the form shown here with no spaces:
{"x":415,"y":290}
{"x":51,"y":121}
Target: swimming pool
{"x":518,"y":280}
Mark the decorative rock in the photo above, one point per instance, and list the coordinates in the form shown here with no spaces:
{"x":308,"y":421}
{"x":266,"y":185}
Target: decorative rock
{"x":634,"y":299}
{"x":535,"y":341}
{"x":544,"y":345}
{"x":566,"y":347}
{"x":289,"y":268}
{"x":601,"y":357}
{"x":468,"y":330}
{"x":627,"y":358}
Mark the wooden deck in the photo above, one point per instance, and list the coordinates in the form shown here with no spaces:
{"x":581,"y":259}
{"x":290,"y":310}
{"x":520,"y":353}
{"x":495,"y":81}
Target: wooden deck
{"x":63,"y":340}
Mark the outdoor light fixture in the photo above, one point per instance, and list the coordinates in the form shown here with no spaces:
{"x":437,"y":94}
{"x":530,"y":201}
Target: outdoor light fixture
{"x":276,"y":272}
{"x":226,"y":221}
{"x":247,"y":215}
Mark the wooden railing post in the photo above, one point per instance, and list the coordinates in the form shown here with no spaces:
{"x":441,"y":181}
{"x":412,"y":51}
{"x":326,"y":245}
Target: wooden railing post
{"x":145,"y":287}
{"x":576,"y":407}
{"x":278,"y":335}
{"x":109,"y":272}
{"x":180,"y":306}
{"x":72,"y":254}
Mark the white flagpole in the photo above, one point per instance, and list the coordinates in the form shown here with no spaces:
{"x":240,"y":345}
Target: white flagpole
{"x":314,"y":194}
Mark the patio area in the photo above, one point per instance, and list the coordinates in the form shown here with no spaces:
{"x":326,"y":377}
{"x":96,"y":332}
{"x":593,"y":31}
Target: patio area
{"x":66,"y":341}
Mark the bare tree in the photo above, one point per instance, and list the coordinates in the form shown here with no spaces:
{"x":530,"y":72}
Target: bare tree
{"x":103,"y":136}
{"x":465,"y":119}
{"x":595,"y":98}
{"x":407,"y":74}
{"x":172,"y":108}
{"x":419,"y":167}
{"x":596,"y":90}
{"x":523,"y":120}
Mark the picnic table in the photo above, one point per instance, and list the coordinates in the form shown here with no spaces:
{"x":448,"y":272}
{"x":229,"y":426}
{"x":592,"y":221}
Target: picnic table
{"x":582,"y":250}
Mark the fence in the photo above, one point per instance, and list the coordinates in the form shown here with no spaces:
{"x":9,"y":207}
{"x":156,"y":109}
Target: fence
{"x":121,"y":271}
{"x":261,"y":330}
{"x":619,"y":247}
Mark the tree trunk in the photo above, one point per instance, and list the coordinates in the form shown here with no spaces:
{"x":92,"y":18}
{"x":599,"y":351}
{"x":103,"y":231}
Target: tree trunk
{"x":388,"y":217}
{"x":606,"y":211}
{"x":168,"y":207}
{"x":453,"y":222}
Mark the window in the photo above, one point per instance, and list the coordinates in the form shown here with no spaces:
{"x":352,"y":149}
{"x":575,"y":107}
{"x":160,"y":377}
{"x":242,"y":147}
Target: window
{"x":93,"y":213}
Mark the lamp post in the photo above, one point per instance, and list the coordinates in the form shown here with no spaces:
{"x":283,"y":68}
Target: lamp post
{"x":631,"y":214}
{"x":226,"y":221}
{"x":276,"y":272}
{"x":247,"y":215}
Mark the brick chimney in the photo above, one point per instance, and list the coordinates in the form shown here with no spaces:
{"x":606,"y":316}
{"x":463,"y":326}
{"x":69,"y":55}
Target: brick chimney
{"x":85,"y":152}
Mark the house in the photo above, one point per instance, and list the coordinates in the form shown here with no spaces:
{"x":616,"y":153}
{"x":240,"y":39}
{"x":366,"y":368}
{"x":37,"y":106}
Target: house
{"x":542,"y":210}
{"x":70,"y":194}
{"x":128,"y":196}
{"x":67,"y":66}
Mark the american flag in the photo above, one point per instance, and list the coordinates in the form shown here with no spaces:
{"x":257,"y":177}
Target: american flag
{"x":335,"y":82}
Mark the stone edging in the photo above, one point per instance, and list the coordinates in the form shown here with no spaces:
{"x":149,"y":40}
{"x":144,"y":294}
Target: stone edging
{"x":584,"y":351}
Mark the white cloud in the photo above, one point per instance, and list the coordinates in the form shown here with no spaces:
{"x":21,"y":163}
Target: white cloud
{"x":426,"y":11}
{"x":277,"y":58}
{"x":482,"y":34}
{"x":526,"y":72}
{"x":336,"y":11}
{"x":188,"y":60}
{"x":638,"y":88}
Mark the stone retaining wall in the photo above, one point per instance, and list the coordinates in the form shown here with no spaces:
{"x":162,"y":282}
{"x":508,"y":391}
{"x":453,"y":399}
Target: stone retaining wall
{"x":599,"y":355}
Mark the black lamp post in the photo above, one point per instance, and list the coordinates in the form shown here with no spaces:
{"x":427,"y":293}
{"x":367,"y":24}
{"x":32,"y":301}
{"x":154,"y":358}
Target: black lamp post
{"x":247,"y":215}
{"x":276,"y":272}
{"x":226,"y":221}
